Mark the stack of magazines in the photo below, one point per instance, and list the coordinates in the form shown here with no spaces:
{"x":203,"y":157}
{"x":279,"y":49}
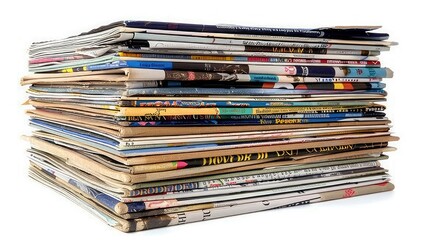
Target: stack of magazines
{"x":153,"y":124}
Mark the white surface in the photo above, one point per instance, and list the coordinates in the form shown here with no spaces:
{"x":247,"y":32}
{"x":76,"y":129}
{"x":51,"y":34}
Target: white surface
{"x":45,"y":214}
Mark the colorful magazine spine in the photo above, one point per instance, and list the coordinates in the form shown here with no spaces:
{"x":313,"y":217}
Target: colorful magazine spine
{"x":199,"y":69}
{"x":241,"y":122}
{"x":241,"y":48}
{"x":207,"y":103}
{"x":221,"y":91}
{"x":299,"y":61}
{"x":271,"y":85}
{"x":256,"y":84}
{"x":248,"y":54}
{"x":169,"y":111}
{"x":359,"y":112}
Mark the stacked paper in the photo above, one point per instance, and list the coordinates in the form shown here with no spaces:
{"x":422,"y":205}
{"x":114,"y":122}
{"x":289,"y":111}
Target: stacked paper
{"x":151,"y":124}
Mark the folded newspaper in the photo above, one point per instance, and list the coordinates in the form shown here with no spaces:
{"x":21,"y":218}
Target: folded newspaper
{"x":153,"y":124}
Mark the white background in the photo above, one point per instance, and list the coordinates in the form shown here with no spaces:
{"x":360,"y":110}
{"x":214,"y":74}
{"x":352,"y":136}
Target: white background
{"x":31,"y":210}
